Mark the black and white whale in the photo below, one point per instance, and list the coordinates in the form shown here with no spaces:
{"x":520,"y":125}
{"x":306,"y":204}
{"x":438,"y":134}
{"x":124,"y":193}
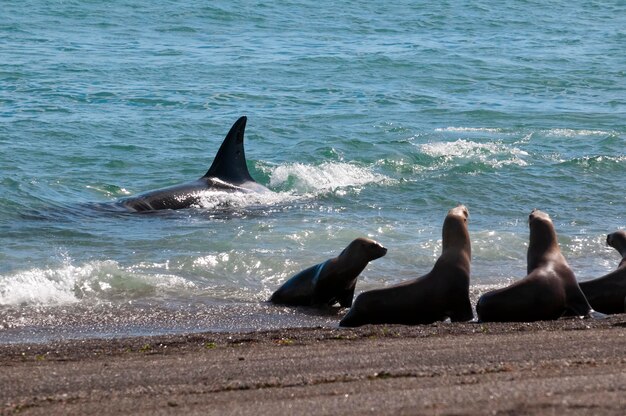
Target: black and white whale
{"x":228,"y":173}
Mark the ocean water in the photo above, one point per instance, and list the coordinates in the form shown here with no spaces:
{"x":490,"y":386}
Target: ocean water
{"x":364,"y":119}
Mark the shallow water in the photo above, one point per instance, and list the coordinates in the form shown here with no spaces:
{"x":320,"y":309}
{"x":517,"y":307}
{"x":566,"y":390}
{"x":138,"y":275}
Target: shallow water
{"x":364,"y":119}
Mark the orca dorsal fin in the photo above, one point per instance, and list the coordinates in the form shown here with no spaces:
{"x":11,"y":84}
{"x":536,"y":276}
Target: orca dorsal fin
{"x":230,"y":161}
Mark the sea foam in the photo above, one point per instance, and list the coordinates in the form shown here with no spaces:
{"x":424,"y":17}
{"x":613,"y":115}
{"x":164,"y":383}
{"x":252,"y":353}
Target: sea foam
{"x":294,"y":182}
{"x":217,"y":200}
{"x":326,"y":177}
{"x":494,"y":154}
{"x":575,"y":133}
{"x":97,"y":280}
{"x":468,"y":130}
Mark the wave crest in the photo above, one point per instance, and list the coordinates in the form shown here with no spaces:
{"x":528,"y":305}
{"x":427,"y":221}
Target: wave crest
{"x":575,"y":133}
{"x":70,"y":284}
{"x":469,"y":130}
{"x":327,"y":177}
{"x":494,"y":154}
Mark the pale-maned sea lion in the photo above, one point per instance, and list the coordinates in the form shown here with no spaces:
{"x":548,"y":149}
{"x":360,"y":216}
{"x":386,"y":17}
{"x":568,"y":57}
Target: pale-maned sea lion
{"x":331,"y":281}
{"x":442,"y":293}
{"x":550,"y":289}
{"x":607,"y":294}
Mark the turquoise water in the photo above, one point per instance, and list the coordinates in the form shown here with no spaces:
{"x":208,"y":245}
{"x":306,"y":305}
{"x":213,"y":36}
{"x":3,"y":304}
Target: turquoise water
{"x":365,"y":119}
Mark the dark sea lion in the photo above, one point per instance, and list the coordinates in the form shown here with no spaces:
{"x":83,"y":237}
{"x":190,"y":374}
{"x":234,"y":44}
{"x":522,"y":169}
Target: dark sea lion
{"x":607,"y":294}
{"x":442,"y":293}
{"x":331,"y":281}
{"x":228,"y":173}
{"x":550,"y":289}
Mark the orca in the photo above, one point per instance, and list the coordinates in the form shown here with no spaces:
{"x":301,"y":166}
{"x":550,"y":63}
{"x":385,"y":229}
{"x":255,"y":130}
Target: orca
{"x":228,"y":173}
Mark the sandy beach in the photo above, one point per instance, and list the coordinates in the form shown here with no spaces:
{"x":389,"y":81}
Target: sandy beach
{"x":564,"y":367}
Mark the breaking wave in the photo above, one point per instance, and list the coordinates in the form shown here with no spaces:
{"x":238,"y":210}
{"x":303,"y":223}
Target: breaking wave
{"x":294,"y":182}
{"x":494,"y":154}
{"x":469,"y":130}
{"x":327,"y":177}
{"x":575,"y":133}
{"x":70,"y":284}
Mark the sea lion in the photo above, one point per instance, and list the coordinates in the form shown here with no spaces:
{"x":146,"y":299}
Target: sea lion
{"x":442,"y":293}
{"x":228,"y":172}
{"x":331,"y":281}
{"x":607,"y":294}
{"x":550,"y":289}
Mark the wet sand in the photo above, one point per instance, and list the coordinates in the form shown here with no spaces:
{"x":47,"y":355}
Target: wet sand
{"x":563,"y":367}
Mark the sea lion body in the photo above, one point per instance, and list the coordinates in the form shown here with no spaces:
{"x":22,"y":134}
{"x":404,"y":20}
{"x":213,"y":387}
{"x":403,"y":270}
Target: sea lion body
{"x":440,"y":294}
{"x":607,"y":294}
{"x":332,"y":281}
{"x":549,"y":290}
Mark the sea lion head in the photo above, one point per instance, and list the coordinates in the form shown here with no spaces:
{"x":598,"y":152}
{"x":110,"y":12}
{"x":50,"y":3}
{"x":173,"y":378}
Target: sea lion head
{"x":542,"y":237}
{"x":365,"y":248}
{"x":617,"y":240}
{"x":541,"y":226}
{"x":455,"y":233}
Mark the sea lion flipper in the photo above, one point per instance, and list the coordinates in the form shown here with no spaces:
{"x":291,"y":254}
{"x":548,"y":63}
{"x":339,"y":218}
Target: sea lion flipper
{"x":577,"y":303}
{"x":463,"y":312}
{"x":593,"y":314}
{"x":576,"y":310}
{"x":345,"y":299}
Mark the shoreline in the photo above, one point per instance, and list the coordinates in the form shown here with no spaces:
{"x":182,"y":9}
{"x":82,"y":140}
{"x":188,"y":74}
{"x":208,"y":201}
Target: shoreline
{"x":570,"y":365}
